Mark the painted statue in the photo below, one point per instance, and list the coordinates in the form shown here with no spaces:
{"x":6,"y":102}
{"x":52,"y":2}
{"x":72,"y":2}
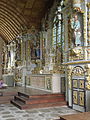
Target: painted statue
{"x":75,"y":25}
{"x":38,"y":51}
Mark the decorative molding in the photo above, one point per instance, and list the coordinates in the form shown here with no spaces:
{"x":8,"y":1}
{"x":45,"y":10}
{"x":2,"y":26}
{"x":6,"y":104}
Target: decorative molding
{"x":78,"y":71}
{"x":77,"y":62}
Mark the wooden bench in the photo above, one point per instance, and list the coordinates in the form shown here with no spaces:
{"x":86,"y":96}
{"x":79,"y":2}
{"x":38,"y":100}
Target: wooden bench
{"x":80,"y":116}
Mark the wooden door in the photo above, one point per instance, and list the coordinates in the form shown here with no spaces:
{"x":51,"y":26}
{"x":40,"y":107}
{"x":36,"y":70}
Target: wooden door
{"x":78,"y":89}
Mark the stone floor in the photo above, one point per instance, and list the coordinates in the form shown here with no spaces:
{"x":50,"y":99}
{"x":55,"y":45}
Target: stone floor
{"x":10,"y":112}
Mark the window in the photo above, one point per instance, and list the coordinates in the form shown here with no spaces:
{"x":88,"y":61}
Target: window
{"x":58,"y":31}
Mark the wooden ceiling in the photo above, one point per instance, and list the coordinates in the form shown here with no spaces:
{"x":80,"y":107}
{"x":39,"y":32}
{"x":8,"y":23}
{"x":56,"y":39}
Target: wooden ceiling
{"x":15,"y":13}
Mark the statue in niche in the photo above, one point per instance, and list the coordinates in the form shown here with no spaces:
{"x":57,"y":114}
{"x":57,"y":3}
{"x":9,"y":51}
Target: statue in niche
{"x":76,"y":31}
{"x":38,"y":51}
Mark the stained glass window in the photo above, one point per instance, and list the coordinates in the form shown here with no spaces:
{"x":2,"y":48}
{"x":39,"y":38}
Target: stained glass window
{"x":58,"y":30}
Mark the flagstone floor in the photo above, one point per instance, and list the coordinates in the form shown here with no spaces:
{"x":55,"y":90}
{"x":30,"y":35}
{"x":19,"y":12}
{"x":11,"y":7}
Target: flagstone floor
{"x":10,"y":112}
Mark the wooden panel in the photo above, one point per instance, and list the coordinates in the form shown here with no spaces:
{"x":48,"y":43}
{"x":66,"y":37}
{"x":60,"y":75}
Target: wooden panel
{"x":81,"y":98}
{"x":81,"y":84}
{"x":75,"y":97}
{"x":79,"y":116}
{"x":75,"y":83}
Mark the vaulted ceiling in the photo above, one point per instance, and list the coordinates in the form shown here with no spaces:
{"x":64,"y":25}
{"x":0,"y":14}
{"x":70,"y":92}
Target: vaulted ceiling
{"x":15,"y":13}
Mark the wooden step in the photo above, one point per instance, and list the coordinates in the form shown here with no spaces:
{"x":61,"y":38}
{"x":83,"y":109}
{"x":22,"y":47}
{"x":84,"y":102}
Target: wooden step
{"x":39,"y":100}
{"x":47,"y":95}
{"x":21,"y":98}
{"x":20,"y":105}
{"x":24,"y":101}
{"x":45,"y":100}
{"x":39,"y":96}
{"x":44,"y":105}
{"x":23,"y":94}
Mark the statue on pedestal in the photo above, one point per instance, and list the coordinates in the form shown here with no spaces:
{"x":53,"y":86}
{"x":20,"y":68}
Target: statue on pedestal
{"x":76,"y":28}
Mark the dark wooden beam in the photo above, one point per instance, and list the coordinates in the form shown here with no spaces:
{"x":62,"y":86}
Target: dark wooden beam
{"x":3,"y":37}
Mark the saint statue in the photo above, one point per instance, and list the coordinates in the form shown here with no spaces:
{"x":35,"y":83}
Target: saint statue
{"x":75,"y":25}
{"x":38,"y":51}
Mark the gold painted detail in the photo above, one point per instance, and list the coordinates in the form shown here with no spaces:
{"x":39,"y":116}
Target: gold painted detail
{"x":48,"y":83}
{"x":77,"y":6}
{"x":76,"y":1}
{"x":78,"y":71}
{"x":69,"y":69}
{"x":81,"y":84}
{"x":81,"y":98}
{"x":77,"y":62}
{"x":88,"y":82}
{"x":75,"y":97}
{"x":76,"y":53}
{"x":57,"y":69}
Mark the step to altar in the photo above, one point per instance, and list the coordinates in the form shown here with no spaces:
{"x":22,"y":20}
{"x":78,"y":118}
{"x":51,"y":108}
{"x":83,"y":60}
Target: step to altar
{"x":24,"y":101}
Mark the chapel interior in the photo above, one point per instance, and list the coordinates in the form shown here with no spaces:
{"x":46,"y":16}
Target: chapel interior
{"x":45,"y":54}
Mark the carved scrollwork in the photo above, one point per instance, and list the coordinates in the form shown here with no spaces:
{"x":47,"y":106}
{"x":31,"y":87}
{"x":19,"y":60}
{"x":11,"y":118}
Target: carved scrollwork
{"x":78,"y":71}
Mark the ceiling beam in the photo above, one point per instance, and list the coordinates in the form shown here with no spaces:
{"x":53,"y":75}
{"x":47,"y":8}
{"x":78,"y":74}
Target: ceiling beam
{"x":3,"y":37}
{"x":7,"y":16}
{"x":9,"y":24}
{"x":10,"y":36}
{"x":11,"y":6}
{"x":4,"y":32}
{"x":6,"y":26}
{"x":11,"y":15}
